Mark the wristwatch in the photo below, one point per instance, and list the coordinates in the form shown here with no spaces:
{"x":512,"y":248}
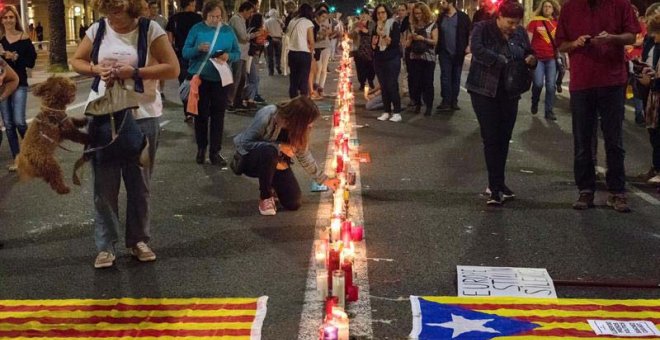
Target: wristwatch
{"x":136,"y":73}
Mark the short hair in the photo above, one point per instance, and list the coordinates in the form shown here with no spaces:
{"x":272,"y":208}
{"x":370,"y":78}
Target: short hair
{"x":320,"y":12}
{"x":210,"y":5}
{"x":653,"y":23}
{"x":374,"y":15}
{"x":511,"y":9}
{"x":306,"y":11}
{"x":246,"y":6}
{"x":185,"y":3}
{"x":134,"y":8}
{"x":555,"y":6}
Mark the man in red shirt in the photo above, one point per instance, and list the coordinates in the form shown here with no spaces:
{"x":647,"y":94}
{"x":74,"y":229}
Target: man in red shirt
{"x":594,"y":32}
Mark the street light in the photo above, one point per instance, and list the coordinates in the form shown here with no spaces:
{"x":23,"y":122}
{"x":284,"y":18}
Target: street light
{"x":77,"y":11}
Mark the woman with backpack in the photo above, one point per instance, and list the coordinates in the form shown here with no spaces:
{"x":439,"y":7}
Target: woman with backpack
{"x":120,"y":58}
{"x":421,"y":43}
{"x":541,"y":31}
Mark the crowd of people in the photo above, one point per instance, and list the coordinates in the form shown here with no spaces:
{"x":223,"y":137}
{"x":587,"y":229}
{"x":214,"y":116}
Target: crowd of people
{"x":395,"y":54}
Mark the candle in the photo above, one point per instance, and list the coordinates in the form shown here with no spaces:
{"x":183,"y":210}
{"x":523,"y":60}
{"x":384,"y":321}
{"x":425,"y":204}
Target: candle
{"x":347,"y":267}
{"x":330,"y":332}
{"x":330,"y":302}
{"x":340,"y":163}
{"x":357,"y":233}
{"x":324,"y":234}
{"x":346,"y":232}
{"x":335,"y":228}
{"x":340,"y":320}
{"x":333,"y":263}
{"x":338,"y":287}
{"x":322,"y":282}
{"x":352,"y":293}
{"x":351,"y":178}
{"x":320,"y":253}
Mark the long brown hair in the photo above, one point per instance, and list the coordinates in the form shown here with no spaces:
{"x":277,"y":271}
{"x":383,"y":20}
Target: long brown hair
{"x":298,"y":113}
{"x":10,"y":8}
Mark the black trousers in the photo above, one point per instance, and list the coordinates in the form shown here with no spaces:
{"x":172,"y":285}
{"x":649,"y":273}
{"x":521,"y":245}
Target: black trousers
{"x":211,"y":107}
{"x":300,"y":64}
{"x":274,"y":54}
{"x":497,"y":117}
{"x":654,"y":138}
{"x":365,"y":71}
{"x":420,"y":73}
{"x":261,"y":163}
{"x":388,"y":77}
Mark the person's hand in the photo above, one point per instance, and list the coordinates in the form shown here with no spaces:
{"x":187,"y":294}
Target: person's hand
{"x":204,"y":47}
{"x":331,"y":183}
{"x":223,"y":58}
{"x":105,"y":72}
{"x":467,"y":50}
{"x":123,"y":71}
{"x":387,"y":40}
{"x":602,"y":38}
{"x":418,"y":37}
{"x":287,"y":149}
{"x":530,"y":60}
{"x":581,"y":41}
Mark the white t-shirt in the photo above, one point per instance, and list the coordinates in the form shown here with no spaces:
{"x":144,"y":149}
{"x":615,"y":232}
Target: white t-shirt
{"x":325,"y":42}
{"x":298,"y":34}
{"x":123,"y":48}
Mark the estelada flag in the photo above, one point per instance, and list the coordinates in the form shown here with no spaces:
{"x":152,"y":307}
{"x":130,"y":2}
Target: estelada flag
{"x":522,"y":318}
{"x":126,"y":318}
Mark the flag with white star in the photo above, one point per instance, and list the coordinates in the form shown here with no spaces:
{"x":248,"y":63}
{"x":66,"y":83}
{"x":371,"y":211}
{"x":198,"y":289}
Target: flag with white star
{"x":463,"y":318}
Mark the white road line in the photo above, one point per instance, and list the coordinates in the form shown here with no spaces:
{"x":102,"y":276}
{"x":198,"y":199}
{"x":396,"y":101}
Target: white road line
{"x":312,"y":312}
{"x":646,"y":197}
{"x":165,"y":122}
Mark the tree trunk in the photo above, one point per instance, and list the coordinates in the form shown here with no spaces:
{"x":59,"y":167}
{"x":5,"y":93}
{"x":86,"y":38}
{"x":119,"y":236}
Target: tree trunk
{"x":56,"y":15}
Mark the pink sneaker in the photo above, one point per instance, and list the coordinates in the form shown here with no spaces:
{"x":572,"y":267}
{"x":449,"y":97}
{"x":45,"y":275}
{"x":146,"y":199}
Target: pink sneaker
{"x":267,"y":207}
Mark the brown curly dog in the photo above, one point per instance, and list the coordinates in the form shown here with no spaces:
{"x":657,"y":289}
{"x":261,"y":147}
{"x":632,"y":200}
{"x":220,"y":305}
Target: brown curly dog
{"x":50,"y":127}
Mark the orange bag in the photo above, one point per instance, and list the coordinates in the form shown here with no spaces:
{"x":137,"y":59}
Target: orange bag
{"x":193,"y":97}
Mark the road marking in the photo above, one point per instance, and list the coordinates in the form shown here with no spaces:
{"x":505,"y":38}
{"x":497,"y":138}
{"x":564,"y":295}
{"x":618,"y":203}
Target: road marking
{"x":639,"y":193}
{"x":312,"y":312}
{"x":163,"y":123}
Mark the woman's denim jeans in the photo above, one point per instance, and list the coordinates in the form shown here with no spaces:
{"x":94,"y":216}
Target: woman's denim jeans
{"x":545,"y":70}
{"x":13,"y":114}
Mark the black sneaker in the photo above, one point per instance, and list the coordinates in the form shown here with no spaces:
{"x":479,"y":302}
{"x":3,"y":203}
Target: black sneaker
{"x":455,"y":107}
{"x":535,"y":108}
{"x":259,"y":100}
{"x":444,"y":108}
{"x":230,"y":109}
{"x":494,"y":199}
{"x":507,"y":194}
{"x":216,"y":159}
{"x":550,"y":116}
{"x":585,"y":201}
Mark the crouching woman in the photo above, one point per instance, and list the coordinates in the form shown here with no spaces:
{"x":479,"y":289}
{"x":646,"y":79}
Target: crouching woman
{"x":277,"y":134}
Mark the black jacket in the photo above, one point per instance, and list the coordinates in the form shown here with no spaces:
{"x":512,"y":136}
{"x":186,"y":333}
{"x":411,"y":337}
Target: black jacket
{"x":490,"y":54}
{"x":462,"y":35}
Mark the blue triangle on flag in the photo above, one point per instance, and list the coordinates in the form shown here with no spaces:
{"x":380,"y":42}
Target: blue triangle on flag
{"x":442,"y":321}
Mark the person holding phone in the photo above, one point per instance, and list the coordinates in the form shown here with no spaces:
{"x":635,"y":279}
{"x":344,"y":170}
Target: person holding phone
{"x":593,"y":33}
{"x":213,"y":94}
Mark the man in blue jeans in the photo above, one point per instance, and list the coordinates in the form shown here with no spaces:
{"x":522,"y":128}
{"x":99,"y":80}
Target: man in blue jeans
{"x":593,"y":33}
{"x":453,"y":41}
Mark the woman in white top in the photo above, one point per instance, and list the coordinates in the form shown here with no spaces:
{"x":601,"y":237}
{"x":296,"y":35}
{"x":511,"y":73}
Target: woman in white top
{"x":301,"y":46}
{"x":118,"y":61}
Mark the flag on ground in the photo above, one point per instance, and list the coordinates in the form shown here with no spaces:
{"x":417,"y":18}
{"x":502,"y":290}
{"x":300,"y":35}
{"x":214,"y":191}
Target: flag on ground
{"x":523,"y":318}
{"x":195,"y":318}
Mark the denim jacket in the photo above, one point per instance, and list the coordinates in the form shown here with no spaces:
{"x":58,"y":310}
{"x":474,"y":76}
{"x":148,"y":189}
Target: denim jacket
{"x":263,"y":131}
{"x":490,"y":54}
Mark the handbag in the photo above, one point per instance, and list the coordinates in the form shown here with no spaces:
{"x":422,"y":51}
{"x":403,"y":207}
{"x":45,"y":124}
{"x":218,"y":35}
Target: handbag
{"x":517,"y":77}
{"x":184,"y":87}
{"x":559,"y":60}
{"x":237,"y":165}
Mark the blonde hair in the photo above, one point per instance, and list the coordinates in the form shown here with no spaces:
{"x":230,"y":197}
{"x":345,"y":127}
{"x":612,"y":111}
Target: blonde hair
{"x":10,"y":8}
{"x":134,"y":8}
{"x":555,"y":6}
{"x":427,"y":16}
{"x":653,"y":23}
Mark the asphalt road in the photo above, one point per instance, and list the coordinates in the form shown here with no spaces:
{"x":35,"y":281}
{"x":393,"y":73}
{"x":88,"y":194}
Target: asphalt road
{"x":422,"y":209}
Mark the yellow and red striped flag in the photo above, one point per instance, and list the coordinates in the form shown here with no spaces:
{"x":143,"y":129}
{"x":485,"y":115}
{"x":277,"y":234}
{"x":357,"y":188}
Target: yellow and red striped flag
{"x":127,"y":318}
{"x":459,"y":318}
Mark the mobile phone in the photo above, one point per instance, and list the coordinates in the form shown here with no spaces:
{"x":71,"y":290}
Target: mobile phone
{"x":587,"y":41}
{"x":217,"y":53}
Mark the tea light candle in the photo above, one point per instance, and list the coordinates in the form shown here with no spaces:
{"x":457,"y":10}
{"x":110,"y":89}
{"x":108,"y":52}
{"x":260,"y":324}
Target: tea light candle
{"x":322,"y":282}
{"x":339,"y":287}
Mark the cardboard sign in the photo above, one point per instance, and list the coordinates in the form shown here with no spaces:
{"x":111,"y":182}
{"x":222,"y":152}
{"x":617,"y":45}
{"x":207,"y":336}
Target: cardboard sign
{"x":624,"y":328}
{"x":504,"y":281}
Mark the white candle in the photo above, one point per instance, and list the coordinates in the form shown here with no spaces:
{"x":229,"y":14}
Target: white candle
{"x":335,"y":229}
{"x":338,"y":287}
{"x":322,"y":283}
{"x":320,"y":253}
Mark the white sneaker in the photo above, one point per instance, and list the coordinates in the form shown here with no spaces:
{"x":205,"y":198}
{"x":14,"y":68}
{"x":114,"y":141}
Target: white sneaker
{"x":396,"y":118}
{"x":104,"y":260}
{"x":267,"y":207}
{"x":385,"y":116}
{"x":654,"y":180}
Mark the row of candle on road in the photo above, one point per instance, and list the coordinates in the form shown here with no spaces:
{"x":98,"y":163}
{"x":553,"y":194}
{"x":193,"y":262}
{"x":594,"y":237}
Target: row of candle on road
{"x":335,"y":249}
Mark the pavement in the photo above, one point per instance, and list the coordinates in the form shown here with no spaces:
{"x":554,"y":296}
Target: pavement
{"x":422,"y":210}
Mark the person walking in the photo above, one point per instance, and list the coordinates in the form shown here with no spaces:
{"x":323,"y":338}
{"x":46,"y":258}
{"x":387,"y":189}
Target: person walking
{"x":453,"y":45}
{"x":421,"y":42}
{"x":501,"y":59}
{"x":274,"y":50}
{"x":111,"y":58}
{"x":239,"y":67}
{"x":301,"y":48}
{"x":541,"y":31}
{"x":593,"y":32}
{"x":177,"y":29}
{"x":387,"y":60}
{"x":40,"y":33}
{"x":202,"y":51}
{"x":19,"y":53}
{"x":277,"y":134}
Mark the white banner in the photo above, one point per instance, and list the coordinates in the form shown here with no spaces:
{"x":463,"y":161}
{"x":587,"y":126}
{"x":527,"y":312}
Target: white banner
{"x":504,"y":281}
